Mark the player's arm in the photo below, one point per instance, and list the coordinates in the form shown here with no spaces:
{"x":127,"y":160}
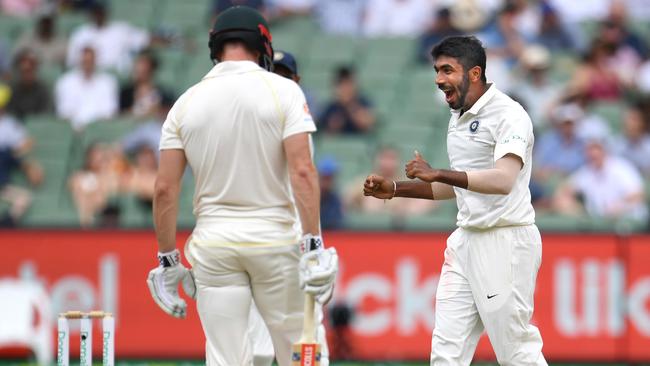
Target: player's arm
{"x":304,"y":181}
{"x":497,"y":180}
{"x":379,"y":187}
{"x":165,"y":199}
{"x":163,"y":280}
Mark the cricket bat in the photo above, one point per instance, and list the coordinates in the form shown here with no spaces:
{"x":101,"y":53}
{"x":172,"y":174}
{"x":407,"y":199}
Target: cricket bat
{"x":307,"y":351}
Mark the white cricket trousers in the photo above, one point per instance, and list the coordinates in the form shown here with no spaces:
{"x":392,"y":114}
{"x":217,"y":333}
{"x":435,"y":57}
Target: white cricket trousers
{"x":488,"y":282}
{"x":263,"y":353}
{"x":227,"y":279}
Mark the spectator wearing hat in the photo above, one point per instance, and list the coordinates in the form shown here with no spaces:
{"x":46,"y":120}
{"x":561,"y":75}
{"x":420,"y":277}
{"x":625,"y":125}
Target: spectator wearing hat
{"x":533,"y":87}
{"x":30,"y":94}
{"x":606,"y":187}
{"x":15,"y":145}
{"x":85,"y":95}
{"x":50,"y":47}
{"x":331,"y":211}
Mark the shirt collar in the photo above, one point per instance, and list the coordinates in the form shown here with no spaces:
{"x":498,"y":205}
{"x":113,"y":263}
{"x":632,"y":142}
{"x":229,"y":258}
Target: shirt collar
{"x":482,"y":101}
{"x":233,"y":67}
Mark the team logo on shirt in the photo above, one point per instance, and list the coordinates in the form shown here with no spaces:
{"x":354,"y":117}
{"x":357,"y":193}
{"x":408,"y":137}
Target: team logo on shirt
{"x":473,"y":127}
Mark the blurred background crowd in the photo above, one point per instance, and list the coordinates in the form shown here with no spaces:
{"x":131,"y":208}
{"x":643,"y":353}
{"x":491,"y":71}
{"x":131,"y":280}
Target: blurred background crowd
{"x":85,"y":86}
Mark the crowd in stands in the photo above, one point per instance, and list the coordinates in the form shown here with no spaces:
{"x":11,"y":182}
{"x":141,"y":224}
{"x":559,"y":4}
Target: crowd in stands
{"x":560,"y":59}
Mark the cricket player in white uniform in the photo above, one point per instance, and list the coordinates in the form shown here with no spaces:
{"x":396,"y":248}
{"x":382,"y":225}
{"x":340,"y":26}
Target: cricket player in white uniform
{"x":284,"y":64}
{"x":245,"y":133}
{"x":491,"y":261}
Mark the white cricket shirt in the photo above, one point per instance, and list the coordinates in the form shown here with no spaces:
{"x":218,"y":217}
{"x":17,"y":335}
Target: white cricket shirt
{"x":231,"y":126}
{"x":495,"y":126}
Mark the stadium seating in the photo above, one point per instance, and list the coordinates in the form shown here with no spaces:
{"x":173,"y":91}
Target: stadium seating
{"x":410,"y":113}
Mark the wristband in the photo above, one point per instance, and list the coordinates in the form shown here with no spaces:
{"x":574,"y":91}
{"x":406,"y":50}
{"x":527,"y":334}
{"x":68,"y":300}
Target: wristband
{"x":394,"y":190}
{"x":169,"y":259}
{"x":310,"y":243}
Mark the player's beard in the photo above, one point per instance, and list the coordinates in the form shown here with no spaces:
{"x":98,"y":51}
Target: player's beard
{"x":461,"y":90}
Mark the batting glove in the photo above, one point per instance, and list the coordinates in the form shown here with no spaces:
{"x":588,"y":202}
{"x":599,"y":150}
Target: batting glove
{"x":318,"y":268}
{"x":163,"y":284}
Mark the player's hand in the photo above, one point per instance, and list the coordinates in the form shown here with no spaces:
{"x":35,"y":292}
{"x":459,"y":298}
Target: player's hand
{"x":163,"y":284}
{"x":318,"y":268}
{"x":378,"y":187}
{"x":419,"y":168}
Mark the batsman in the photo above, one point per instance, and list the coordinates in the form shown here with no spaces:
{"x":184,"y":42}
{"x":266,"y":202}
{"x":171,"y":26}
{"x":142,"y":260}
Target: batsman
{"x":246,"y":134}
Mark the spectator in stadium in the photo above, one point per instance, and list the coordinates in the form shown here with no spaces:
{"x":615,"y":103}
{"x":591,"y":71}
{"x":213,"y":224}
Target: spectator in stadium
{"x":606,"y":187}
{"x":560,"y":151}
{"x":19,"y":8}
{"x":142,"y":95}
{"x":349,"y":112}
{"x":533,"y":87}
{"x":634,"y":144}
{"x":5,"y":59}
{"x":574,"y":12}
{"x":553,"y":34}
{"x":93,"y":185}
{"x":501,"y":36}
{"x":387,"y":164}
{"x":148,"y":134}
{"x":642,"y":80}
{"x":618,"y":23}
{"x":595,"y":79}
{"x":85,"y":95}
{"x":288,"y":8}
{"x":50,"y":47}
{"x":30,"y":95}
{"x":623,"y":58}
{"x":394,"y":18}
{"x":114,"y":42}
{"x":15,"y":144}
{"x":331,"y":206}
{"x":441,"y":28}
{"x":342,"y":17}
{"x":140,"y":176}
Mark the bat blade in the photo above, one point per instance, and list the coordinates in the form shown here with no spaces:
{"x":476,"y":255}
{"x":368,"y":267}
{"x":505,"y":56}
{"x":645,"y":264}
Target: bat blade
{"x":305,"y":354}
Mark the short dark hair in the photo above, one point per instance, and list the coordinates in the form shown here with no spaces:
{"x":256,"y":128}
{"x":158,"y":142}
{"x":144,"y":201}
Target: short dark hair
{"x":344,"y":72}
{"x":468,"y":50}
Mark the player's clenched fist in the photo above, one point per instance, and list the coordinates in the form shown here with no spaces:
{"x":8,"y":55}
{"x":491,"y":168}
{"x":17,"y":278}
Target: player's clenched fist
{"x":419,"y":168}
{"x":378,"y":187}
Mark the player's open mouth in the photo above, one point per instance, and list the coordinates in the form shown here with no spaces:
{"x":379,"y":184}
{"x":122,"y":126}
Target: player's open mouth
{"x":449,"y":94}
